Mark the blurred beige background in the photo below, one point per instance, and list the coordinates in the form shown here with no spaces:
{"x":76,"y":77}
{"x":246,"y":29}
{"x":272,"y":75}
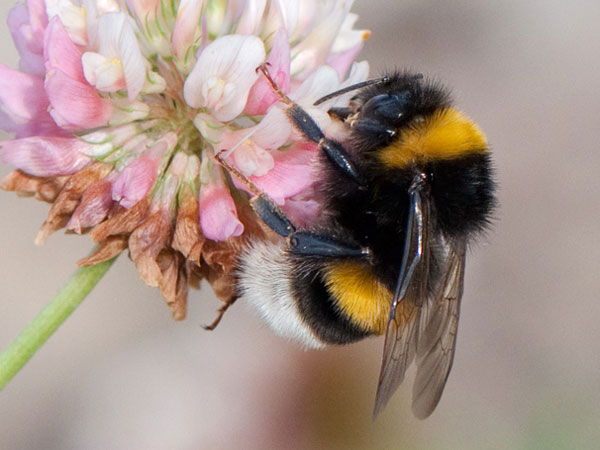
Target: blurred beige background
{"x":121,"y":375}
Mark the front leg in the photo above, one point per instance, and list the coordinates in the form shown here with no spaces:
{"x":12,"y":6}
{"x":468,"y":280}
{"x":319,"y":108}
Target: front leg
{"x":335,"y":151}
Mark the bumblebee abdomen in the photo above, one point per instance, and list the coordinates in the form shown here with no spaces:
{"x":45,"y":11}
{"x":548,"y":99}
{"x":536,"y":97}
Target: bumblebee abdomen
{"x":359,"y":295}
{"x":320,"y":311}
{"x":462,"y":190}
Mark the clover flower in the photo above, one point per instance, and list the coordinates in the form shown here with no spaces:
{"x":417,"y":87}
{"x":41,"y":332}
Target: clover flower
{"x":119,"y":108}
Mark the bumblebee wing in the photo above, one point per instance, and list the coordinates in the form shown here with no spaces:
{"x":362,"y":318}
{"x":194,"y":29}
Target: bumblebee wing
{"x":411,"y":291}
{"x":436,"y":339}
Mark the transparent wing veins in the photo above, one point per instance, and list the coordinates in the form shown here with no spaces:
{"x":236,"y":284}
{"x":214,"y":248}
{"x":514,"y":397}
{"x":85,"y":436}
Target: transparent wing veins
{"x":423,"y":318}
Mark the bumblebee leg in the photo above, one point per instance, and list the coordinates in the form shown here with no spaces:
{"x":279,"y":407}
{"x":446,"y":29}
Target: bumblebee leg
{"x":220,"y":314}
{"x":265,"y":71}
{"x":272,"y":215}
{"x":340,"y":112}
{"x":334,"y":150}
{"x":373,"y":127}
{"x":303,"y":242}
{"x":236,"y":173}
{"x":311,"y":244}
{"x":261,"y":203}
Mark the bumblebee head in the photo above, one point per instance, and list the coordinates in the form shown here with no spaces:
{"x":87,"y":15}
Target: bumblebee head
{"x":407,"y":119}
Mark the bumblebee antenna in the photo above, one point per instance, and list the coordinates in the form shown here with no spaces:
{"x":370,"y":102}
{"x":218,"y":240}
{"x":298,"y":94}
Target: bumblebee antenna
{"x":352,"y":88}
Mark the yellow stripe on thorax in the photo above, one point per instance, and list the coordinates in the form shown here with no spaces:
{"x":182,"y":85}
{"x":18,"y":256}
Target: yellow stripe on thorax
{"x":446,"y":134}
{"x":360,"y":296}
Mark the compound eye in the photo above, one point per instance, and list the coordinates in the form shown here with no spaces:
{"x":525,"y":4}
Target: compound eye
{"x":391,"y":107}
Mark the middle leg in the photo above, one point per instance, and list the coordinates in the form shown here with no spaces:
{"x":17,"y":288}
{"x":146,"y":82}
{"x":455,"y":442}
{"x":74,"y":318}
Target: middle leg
{"x":300,"y":242}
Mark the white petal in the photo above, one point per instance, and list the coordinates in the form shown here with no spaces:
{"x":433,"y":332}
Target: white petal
{"x":359,"y":71}
{"x":306,"y":17}
{"x":72,"y":16}
{"x":347,"y":36}
{"x":314,"y":48}
{"x":103,"y":73}
{"x":251,"y":17}
{"x":93,"y":10}
{"x":154,"y":83}
{"x":274,"y":130}
{"x":223,"y":75}
{"x":283,"y":13}
{"x":125,"y":111}
{"x":322,"y":82}
{"x":209,"y":128}
{"x":116,"y":39}
{"x":253,"y":160}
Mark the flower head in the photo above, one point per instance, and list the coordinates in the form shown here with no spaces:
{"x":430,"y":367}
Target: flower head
{"x":119,"y":108}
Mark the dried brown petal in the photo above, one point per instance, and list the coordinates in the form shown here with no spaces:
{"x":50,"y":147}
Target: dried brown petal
{"x":146,"y":243}
{"x":93,"y":207}
{"x":223,"y":283}
{"x":44,"y":188}
{"x":108,"y":249}
{"x":69,"y":197}
{"x":195,"y":275}
{"x":121,"y":220}
{"x":174,"y":282}
{"x":187,"y":237}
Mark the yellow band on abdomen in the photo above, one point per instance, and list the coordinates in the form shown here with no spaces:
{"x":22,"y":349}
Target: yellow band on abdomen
{"x":359,"y":295}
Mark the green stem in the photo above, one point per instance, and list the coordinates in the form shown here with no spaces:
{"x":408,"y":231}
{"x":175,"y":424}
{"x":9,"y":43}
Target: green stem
{"x":49,"y":319}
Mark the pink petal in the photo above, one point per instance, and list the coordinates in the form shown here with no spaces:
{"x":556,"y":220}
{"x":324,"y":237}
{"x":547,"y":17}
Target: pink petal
{"x":33,"y":128}
{"x":75,"y":105}
{"x":22,"y":95}
{"x":135,"y":181}
{"x":218,"y":215}
{"x":292,"y":173}
{"x":302,"y":213}
{"x":24,"y":105}
{"x":262,"y":95}
{"x":60,"y":53}
{"x":95,"y":204}
{"x":38,"y":18}
{"x":30,"y":50}
{"x":44,"y":156}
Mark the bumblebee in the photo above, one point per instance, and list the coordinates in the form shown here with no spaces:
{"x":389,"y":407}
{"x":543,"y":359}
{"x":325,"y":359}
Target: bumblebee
{"x":403,"y":197}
